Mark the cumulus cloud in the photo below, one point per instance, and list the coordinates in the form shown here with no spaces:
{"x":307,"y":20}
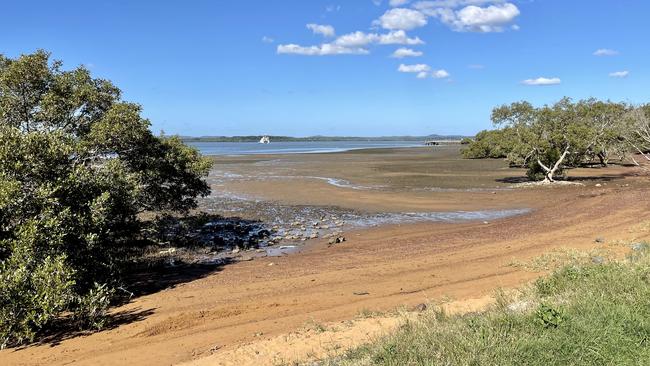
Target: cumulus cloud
{"x":422,"y":75}
{"x":267,"y":39}
{"x":396,"y":3}
{"x":472,"y":17}
{"x":326,"y":49}
{"x":619,"y":74}
{"x":542,"y":81}
{"x":605,"y":52}
{"x":402,"y":19}
{"x":324,"y":30}
{"x":350,"y":44}
{"x":359,"y":39}
{"x":417,"y":68}
{"x":406,"y":52}
{"x":440,"y":74}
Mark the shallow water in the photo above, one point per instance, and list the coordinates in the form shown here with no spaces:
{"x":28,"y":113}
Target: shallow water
{"x":302,"y":147}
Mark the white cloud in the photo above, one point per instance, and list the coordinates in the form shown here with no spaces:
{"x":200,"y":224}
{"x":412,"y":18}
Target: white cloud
{"x":542,"y":81}
{"x":359,"y":39}
{"x":401,"y":18}
{"x":350,"y":44}
{"x":440,"y":74}
{"x":405,"y":52}
{"x":266,"y":39}
{"x":605,"y":52}
{"x":422,"y":75}
{"x":332,"y":8}
{"x":418,"y":68}
{"x":422,"y":5}
{"x":324,"y":30}
{"x":376,"y":2}
{"x":619,"y":74}
{"x":471,"y":18}
{"x":322,"y":50}
{"x":396,"y":3}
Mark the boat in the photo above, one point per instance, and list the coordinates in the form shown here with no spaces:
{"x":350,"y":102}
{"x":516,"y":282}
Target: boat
{"x":265,"y":140}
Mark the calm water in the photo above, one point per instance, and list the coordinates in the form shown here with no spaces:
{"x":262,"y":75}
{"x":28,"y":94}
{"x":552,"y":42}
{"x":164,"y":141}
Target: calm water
{"x":248,"y":148}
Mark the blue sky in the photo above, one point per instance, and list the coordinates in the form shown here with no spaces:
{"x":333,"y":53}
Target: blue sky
{"x":256,"y":67}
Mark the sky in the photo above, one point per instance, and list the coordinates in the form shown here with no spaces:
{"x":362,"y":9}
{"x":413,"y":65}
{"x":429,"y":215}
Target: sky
{"x":334,"y":67}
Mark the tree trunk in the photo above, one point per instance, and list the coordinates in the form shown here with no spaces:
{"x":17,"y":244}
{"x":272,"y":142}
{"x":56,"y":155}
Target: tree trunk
{"x":550,"y":172}
{"x":604,"y":161}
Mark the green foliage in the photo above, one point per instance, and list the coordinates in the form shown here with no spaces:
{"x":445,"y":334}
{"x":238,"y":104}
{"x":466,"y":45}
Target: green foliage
{"x":566,"y":134}
{"x":490,"y":144}
{"x":77,"y":167}
{"x":581,"y":314}
{"x":548,"y":316}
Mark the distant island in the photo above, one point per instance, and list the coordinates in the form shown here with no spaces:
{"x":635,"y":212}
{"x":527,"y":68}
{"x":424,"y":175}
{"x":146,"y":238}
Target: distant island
{"x":256,"y":138}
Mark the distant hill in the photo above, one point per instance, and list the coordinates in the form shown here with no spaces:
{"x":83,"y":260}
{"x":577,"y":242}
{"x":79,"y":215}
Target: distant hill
{"x":319,"y":138}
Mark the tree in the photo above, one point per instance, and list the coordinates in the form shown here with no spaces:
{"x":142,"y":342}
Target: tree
{"x":637,"y":130}
{"x":77,"y":167}
{"x":492,"y":144}
{"x":565,"y":134}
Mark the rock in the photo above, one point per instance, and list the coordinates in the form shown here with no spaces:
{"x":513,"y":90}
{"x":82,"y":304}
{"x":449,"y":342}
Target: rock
{"x":486,"y":222}
{"x":331,"y":241}
{"x":420,"y":307}
{"x":340,"y":239}
{"x":361,"y":293}
{"x":313,"y":236}
{"x":599,"y":240}
{"x":599,"y":185}
{"x":638,"y":246}
{"x":236,"y":250}
{"x":597,"y":260}
{"x":271,"y":264}
{"x":245,"y":258}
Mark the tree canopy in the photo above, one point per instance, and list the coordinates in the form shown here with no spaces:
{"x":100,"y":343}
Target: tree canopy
{"x":77,"y":167}
{"x":551,"y":138}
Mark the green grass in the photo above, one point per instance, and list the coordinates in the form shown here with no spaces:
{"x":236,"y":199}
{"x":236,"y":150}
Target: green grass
{"x":581,"y":314}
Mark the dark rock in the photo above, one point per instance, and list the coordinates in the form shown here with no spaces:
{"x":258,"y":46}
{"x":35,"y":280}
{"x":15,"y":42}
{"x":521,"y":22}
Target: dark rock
{"x":420,"y":307}
{"x":597,"y":260}
{"x":599,"y":240}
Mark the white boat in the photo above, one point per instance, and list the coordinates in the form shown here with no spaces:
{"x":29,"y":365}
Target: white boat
{"x":265,"y":140}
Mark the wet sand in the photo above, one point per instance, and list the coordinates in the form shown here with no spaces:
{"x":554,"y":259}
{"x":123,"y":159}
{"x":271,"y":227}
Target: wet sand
{"x":259,"y":303}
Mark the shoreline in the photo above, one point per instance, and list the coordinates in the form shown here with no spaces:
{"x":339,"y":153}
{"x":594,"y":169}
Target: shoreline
{"x":259,"y":303}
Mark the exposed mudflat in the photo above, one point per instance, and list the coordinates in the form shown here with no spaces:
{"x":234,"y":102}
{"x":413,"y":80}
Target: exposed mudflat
{"x":420,"y":225}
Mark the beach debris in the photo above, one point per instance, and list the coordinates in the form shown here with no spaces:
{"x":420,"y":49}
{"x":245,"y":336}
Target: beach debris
{"x":271,"y":264}
{"x":597,"y":260}
{"x":337,"y":240}
{"x":361,"y":293}
{"x":600,"y":240}
{"x":420,"y":307}
{"x":168,"y":251}
{"x":638,"y":246}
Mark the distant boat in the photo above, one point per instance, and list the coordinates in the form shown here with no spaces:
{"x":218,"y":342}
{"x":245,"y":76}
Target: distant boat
{"x":265,"y":140}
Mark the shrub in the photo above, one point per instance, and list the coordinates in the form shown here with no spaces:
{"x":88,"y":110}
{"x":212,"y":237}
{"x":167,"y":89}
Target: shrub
{"x":77,"y":167}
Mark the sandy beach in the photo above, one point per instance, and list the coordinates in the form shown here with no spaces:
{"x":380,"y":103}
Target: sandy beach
{"x":258,"y":312}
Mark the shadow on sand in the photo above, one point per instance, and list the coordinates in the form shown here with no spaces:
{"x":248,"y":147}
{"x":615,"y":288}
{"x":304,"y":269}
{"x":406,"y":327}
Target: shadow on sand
{"x":143,"y":275}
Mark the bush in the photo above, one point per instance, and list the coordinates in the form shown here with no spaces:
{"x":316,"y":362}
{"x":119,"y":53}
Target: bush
{"x":77,"y":167}
{"x":492,"y":144}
